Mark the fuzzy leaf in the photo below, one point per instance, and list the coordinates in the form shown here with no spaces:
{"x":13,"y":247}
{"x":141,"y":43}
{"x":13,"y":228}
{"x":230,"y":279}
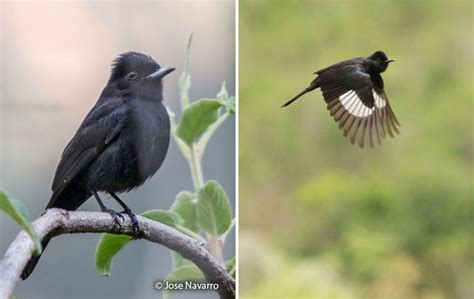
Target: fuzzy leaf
{"x":213,"y":209}
{"x":17,"y":211}
{"x":107,"y":247}
{"x":169,"y":218}
{"x":110,"y":244}
{"x":196,"y":119}
{"x":185,"y":78}
{"x":185,"y":206}
{"x":230,"y":267}
{"x":182,"y":274}
{"x":230,"y":104}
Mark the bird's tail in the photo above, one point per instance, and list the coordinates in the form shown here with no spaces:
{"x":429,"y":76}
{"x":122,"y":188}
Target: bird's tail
{"x":312,"y":86}
{"x":70,"y":199}
{"x":30,"y":266}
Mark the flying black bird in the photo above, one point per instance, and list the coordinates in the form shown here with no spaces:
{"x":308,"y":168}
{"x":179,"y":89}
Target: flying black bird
{"x":120,"y":144}
{"x":354,"y":94}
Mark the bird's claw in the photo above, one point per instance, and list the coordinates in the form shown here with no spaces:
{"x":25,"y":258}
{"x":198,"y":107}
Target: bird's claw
{"x":115,"y":216}
{"x":135,"y":228}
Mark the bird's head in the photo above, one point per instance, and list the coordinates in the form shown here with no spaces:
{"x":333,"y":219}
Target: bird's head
{"x":138,"y":74}
{"x":379,"y":61}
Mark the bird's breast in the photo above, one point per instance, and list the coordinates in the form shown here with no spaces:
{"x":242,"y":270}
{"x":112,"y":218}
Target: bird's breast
{"x":150,"y":128}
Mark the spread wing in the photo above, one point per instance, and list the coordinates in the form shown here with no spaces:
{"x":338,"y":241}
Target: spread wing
{"x":100,"y":127}
{"x":360,"y":106}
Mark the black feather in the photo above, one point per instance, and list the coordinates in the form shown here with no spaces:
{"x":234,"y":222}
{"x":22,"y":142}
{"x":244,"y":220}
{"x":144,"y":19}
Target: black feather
{"x":355,"y":97}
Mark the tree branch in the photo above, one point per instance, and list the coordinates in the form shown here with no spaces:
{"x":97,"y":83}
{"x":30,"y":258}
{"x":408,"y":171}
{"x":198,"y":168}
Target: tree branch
{"x":55,"y":222}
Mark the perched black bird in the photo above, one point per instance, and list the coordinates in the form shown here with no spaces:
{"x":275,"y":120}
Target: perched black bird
{"x":353,"y":91}
{"x":121,"y":143}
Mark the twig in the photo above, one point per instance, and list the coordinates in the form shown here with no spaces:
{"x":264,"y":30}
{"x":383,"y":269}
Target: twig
{"x":55,"y":222}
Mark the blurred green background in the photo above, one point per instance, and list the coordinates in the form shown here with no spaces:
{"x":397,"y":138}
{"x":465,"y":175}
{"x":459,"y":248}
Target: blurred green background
{"x":321,"y":218}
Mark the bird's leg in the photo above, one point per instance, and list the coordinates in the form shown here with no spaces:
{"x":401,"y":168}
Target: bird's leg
{"x":112,"y":213}
{"x":128,"y":211}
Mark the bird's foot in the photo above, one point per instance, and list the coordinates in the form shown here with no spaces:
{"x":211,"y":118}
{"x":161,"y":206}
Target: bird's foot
{"x":135,"y":228}
{"x":115,"y":215}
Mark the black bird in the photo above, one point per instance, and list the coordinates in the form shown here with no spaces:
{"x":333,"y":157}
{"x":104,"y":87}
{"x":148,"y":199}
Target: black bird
{"x":354,"y":94}
{"x":120,"y":144}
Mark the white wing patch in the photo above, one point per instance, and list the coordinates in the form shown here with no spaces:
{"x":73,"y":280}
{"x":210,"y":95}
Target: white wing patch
{"x":360,"y":123}
{"x":379,"y":101}
{"x":354,"y":105}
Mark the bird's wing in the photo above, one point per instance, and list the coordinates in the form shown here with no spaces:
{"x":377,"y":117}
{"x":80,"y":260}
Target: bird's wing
{"x":100,"y":127}
{"x":359,"y":104}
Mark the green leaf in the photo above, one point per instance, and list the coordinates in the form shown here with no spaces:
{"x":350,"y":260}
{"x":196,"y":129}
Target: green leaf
{"x":107,"y":247}
{"x":230,"y":104}
{"x":230,"y":267}
{"x":213,"y":209}
{"x":185,"y":78}
{"x":223,"y":95}
{"x":185,"y":206}
{"x":169,"y":218}
{"x":196,"y":119}
{"x":110,"y":244}
{"x":186,"y":273}
{"x":232,"y":224}
{"x":17,"y":211}
{"x":182,"y":274}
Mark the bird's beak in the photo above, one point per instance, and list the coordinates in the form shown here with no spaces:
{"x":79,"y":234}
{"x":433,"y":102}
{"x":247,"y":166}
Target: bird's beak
{"x":390,"y":60}
{"x":160,"y":73}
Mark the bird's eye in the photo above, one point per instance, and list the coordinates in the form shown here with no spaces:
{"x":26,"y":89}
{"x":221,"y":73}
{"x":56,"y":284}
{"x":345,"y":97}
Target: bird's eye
{"x":132,"y":76}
